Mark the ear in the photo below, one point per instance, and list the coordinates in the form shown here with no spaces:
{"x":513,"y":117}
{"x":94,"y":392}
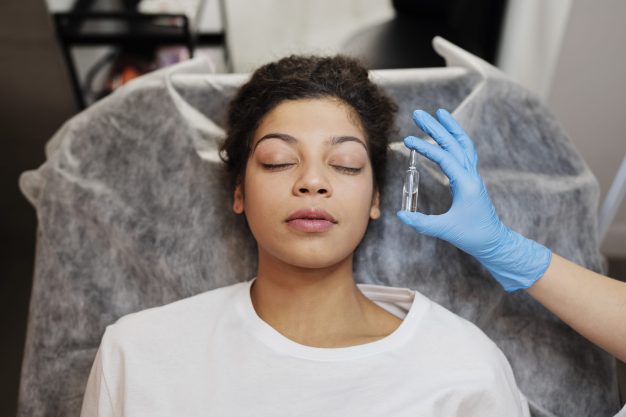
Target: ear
{"x":238,"y":199}
{"x":375,"y":209}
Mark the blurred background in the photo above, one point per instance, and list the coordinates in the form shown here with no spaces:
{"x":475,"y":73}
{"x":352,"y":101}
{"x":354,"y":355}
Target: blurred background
{"x":60,"y":56}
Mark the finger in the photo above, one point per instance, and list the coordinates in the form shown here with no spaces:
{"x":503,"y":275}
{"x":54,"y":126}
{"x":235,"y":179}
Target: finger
{"x":450,"y":123}
{"x":427,"y":224}
{"x":448,"y":164}
{"x":439,"y":133}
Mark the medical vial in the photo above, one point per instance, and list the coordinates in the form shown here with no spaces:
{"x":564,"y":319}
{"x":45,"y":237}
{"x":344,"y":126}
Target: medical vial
{"x":411,"y":185}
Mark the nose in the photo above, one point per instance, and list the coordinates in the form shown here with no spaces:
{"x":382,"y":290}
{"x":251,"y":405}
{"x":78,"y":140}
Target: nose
{"x":312,"y":181}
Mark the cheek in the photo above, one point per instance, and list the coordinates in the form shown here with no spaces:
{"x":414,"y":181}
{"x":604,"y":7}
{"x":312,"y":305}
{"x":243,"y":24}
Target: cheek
{"x":359,"y":197}
{"x":261,"y":195}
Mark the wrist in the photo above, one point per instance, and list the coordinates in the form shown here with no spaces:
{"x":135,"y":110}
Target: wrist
{"x":518,"y":262}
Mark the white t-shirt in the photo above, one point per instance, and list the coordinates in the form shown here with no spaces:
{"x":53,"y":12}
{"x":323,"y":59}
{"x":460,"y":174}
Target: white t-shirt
{"x":212,"y":355}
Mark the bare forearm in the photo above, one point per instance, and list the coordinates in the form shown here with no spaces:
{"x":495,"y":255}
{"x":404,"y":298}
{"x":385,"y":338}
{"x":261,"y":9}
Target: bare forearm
{"x":592,"y":304}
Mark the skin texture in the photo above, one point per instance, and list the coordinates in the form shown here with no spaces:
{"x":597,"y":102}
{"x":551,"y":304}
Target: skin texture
{"x":305,"y":287}
{"x":592,"y":304}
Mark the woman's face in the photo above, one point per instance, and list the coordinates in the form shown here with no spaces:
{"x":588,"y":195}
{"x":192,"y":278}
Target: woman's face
{"x":308,"y":184}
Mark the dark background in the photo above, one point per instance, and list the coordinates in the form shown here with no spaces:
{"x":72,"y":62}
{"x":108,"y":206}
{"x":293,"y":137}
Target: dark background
{"x":35,"y":99}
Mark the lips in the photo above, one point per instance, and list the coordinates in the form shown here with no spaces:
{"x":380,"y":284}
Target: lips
{"x":311,"y":214}
{"x":311,"y":220}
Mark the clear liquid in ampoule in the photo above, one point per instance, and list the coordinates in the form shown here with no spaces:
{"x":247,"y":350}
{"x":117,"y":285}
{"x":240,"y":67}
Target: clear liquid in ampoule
{"x":410,"y":190}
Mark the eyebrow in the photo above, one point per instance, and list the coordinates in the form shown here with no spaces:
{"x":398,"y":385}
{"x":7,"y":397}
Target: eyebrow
{"x":290,"y":139}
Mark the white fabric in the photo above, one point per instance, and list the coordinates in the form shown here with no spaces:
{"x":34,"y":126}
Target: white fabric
{"x":621,"y":413}
{"x":212,"y":355}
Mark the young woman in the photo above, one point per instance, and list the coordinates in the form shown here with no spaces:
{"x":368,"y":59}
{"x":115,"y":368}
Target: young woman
{"x":306,"y":145}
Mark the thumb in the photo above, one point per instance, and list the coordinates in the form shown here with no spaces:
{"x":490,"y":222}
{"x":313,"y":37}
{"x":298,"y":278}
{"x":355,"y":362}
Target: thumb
{"x":423,"y":223}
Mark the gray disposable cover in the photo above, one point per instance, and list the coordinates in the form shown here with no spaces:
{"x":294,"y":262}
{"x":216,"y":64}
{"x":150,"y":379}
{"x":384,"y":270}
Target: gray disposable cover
{"x":134,"y":212}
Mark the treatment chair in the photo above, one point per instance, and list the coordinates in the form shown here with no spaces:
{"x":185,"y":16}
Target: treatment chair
{"x":134,"y":212}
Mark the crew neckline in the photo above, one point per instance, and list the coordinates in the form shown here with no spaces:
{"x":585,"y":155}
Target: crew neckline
{"x":279,"y":342}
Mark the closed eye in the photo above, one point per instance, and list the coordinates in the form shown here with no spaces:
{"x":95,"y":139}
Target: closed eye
{"x":347,"y":170}
{"x":272,"y":167}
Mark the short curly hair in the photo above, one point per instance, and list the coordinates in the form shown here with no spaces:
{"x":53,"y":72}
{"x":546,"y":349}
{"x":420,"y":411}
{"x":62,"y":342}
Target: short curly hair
{"x":300,"y":77}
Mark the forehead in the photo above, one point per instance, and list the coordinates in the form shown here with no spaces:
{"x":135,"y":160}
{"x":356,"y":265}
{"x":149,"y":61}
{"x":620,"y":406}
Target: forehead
{"x":311,"y":118}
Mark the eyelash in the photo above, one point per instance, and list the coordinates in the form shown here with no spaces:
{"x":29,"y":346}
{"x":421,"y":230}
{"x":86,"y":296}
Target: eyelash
{"x":346,"y":170}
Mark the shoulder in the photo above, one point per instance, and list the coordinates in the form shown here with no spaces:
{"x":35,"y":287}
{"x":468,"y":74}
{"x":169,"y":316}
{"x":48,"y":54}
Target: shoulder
{"x":450,"y":329}
{"x":457,"y":347}
{"x":174,"y":319}
{"x":434,"y":329}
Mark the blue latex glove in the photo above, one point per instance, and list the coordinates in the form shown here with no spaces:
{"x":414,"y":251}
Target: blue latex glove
{"x":472,"y":224}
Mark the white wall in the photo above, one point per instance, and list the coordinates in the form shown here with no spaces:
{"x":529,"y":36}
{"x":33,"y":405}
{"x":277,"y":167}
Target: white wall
{"x":261,"y":31}
{"x":572,"y":53}
{"x":588,"y":95}
{"x":531,"y":40}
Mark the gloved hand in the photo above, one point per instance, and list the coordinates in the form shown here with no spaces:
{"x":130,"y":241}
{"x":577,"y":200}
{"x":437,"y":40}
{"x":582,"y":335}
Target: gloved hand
{"x":472,"y":224}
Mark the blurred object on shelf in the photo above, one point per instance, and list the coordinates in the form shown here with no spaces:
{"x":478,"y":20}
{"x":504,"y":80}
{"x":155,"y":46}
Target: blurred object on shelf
{"x":190,"y":8}
{"x":186,"y":7}
{"x":137,"y":28}
{"x":127,"y":65}
{"x":170,"y":55}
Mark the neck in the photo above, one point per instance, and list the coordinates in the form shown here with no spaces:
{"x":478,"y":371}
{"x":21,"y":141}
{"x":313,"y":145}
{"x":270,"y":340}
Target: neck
{"x":309,"y":305}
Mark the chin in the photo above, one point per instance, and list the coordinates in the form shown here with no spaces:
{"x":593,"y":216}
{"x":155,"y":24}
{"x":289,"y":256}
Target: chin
{"x":309,"y":258}
{"x":309,"y":263}
{"x":310,"y":252}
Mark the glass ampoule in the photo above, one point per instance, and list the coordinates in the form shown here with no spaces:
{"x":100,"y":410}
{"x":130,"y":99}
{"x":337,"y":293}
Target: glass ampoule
{"x":411,"y":184}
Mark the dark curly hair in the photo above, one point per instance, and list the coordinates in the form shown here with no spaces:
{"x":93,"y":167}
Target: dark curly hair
{"x":308,"y":77}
